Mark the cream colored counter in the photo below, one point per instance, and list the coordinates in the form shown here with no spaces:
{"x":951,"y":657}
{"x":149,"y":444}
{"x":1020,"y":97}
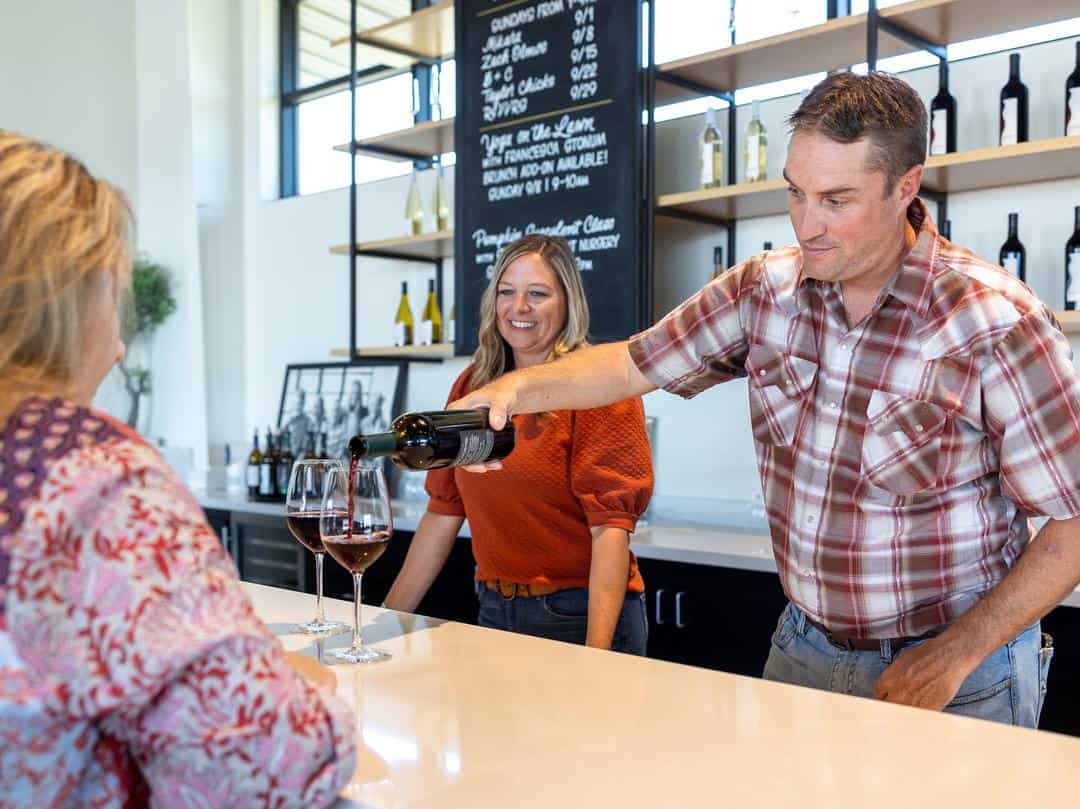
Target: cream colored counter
{"x":474,"y":718}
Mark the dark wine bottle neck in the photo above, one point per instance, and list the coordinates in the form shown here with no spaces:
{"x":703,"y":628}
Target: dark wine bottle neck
{"x":1014,"y":68}
{"x":1012,"y":225}
{"x":1076,"y":216}
{"x":943,"y":76}
{"x":376,"y":444}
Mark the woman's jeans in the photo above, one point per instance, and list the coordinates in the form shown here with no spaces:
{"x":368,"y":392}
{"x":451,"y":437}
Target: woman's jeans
{"x":563,"y":615}
{"x":1008,"y":686}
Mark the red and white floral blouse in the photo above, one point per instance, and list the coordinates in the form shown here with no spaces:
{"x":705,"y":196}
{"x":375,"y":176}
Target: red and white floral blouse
{"x":133,"y":670}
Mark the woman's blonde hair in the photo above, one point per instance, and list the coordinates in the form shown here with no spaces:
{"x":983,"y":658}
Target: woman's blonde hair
{"x":59,"y":227}
{"x":494,"y":358}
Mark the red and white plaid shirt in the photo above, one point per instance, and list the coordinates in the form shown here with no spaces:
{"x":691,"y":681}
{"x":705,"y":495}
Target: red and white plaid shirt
{"x":899,"y":458}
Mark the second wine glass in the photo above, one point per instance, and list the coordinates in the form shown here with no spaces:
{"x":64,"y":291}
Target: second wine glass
{"x":303,"y":508}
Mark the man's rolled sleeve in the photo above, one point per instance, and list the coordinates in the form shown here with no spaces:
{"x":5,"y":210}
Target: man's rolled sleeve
{"x":702,"y":342}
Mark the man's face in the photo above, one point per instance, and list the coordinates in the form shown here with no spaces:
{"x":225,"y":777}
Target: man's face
{"x":845,"y":222}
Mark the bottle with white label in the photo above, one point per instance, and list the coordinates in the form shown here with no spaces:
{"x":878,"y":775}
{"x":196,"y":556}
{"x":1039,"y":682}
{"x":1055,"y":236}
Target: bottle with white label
{"x":254,"y":462}
{"x":755,"y":149}
{"x":448,"y":327}
{"x":403,"y":320}
{"x":943,"y":115}
{"x":717,"y":261}
{"x":1072,"y":266}
{"x":1013,"y":256}
{"x":430,"y":319}
{"x":1072,"y":98}
{"x":414,"y":211}
{"x":711,"y":147}
{"x":1014,"y":106}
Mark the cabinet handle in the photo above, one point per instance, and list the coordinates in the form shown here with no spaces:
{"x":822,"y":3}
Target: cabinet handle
{"x":679,"y":624}
{"x":658,"y":594}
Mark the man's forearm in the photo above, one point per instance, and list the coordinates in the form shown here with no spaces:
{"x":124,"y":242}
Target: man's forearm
{"x":1047,"y":571}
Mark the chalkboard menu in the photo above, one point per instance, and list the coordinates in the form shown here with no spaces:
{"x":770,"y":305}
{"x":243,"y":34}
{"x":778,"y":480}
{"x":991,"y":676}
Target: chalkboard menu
{"x":548,"y":139}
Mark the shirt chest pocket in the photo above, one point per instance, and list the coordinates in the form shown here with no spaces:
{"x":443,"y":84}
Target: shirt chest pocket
{"x":902,"y":445}
{"x":779,"y":387}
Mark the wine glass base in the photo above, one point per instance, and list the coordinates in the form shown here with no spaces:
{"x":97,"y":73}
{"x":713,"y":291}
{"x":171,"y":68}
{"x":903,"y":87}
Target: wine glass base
{"x":322,"y":628}
{"x":357,"y":654}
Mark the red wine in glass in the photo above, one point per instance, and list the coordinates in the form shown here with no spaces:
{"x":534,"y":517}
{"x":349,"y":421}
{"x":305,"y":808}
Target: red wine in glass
{"x":304,"y":525}
{"x":357,"y":552}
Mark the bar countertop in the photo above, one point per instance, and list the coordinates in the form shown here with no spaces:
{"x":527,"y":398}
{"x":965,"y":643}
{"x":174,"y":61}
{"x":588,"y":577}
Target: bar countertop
{"x":471,"y":717}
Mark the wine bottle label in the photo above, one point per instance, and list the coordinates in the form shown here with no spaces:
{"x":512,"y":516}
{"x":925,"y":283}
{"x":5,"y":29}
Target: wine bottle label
{"x":399,"y":334}
{"x":448,"y":331}
{"x":708,"y":175}
{"x":1073,"y":114}
{"x":752,"y":164}
{"x":424,"y":333}
{"x":253,"y":476}
{"x":939,"y":132}
{"x":1009,"y":127}
{"x":1072,"y":294}
{"x":1012,"y":263}
{"x":476,"y":446}
{"x":266,"y":483}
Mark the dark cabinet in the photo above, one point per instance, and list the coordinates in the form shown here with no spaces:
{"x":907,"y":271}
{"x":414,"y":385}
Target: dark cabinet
{"x":266,"y":553}
{"x":713,"y":617}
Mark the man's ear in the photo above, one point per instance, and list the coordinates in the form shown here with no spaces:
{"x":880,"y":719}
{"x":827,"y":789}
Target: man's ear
{"x":908,"y":184}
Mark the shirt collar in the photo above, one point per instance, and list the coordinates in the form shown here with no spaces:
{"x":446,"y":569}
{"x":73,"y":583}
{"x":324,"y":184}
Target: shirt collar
{"x":913,"y":282}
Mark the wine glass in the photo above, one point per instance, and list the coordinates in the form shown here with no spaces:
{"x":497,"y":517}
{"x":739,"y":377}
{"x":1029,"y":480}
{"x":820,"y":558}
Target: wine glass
{"x":303,"y":507}
{"x":356,"y":526}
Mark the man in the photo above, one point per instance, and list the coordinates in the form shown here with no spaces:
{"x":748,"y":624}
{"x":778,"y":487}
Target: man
{"x":911,"y":405}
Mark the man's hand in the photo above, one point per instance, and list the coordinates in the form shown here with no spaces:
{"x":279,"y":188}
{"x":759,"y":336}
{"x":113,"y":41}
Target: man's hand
{"x":499,"y":398}
{"x":925,"y":676}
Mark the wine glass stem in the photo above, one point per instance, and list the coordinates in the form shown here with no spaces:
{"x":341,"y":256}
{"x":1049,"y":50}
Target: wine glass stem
{"x":356,"y":642}
{"x":320,"y":614}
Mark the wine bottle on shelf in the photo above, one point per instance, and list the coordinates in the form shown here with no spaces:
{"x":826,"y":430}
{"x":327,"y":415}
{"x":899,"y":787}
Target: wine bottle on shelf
{"x":943,"y":115}
{"x":1072,"y":266}
{"x":712,"y":152}
{"x":268,"y":470}
{"x":1072,"y":98}
{"x":1013,"y":256}
{"x":946,"y":230}
{"x":448,"y":331}
{"x":718,"y":261}
{"x":437,"y":439}
{"x":414,"y":211}
{"x":439,"y":204}
{"x":431,"y":319}
{"x":403,"y":320}
{"x":755,"y":149}
{"x":254,"y":461}
{"x":284,"y":463}
{"x":1014,"y":106}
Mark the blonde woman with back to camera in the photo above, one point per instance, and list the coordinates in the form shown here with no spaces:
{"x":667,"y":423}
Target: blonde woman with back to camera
{"x":550,"y":529}
{"x":133,"y":670}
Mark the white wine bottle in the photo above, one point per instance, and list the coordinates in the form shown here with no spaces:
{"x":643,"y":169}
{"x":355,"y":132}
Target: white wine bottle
{"x":712,"y":152}
{"x":439,"y":204}
{"x":755,"y":149}
{"x":448,"y":331}
{"x":403,"y":320}
{"x":431,"y":319}
{"x":414,"y":211}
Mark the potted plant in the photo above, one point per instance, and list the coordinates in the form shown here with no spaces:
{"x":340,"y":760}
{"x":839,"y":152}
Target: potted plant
{"x":150,"y":305}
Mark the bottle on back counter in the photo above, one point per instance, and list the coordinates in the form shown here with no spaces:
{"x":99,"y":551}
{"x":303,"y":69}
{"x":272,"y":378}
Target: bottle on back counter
{"x":437,"y":439}
{"x":1072,"y":98}
{"x":711,"y":145}
{"x":1072,"y":266}
{"x":1013,"y":256}
{"x":254,"y":461}
{"x":284,"y":463}
{"x":403,"y":320}
{"x":755,"y":148}
{"x":1014,"y":106}
{"x":943,"y":115}
{"x":268,"y":470}
{"x":431,"y":319}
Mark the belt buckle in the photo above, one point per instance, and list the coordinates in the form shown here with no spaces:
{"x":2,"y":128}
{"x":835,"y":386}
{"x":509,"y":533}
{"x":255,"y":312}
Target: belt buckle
{"x":507,"y":589}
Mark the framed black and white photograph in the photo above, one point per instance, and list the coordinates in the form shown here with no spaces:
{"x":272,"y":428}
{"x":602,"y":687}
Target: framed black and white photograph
{"x":332,"y":402}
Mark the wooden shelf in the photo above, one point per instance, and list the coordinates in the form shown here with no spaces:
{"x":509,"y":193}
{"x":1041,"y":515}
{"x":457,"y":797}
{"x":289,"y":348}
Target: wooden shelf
{"x":426,"y":246}
{"x":841,"y":42}
{"x":1070,"y":321}
{"x":418,"y":142}
{"x":439,"y":350}
{"x":429,"y":32}
{"x":740,"y":201}
{"x":1000,"y":166}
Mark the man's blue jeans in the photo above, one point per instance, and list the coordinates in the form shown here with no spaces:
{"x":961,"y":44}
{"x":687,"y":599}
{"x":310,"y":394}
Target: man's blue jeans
{"x":1009,"y":686}
{"x":563,"y":615}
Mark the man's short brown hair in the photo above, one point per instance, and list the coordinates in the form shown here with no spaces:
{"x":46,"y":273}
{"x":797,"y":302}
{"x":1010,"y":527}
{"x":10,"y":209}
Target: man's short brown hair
{"x":847,"y":107}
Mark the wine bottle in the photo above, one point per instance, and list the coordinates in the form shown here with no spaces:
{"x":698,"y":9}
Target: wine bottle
{"x":755,"y":150}
{"x":712,"y":152}
{"x":1013,"y":257}
{"x":767,"y":246}
{"x":946,"y":230}
{"x":943,"y":115}
{"x":284,"y":463}
{"x":439,"y":205}
{"x":717,"y":261}
{"x":431,"y":319}
{"x":1072,"y":98}
{"x":448,"y":331}
{"x":268,"y":470}
{"x":414,"y":211}
{"x":1072,"y":266}
{"x":1014,"y":106}
{"x":254,"y":461}
{"x":437,"y":439}
{"x":403,"y":320}
{"x":309,"y":446}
